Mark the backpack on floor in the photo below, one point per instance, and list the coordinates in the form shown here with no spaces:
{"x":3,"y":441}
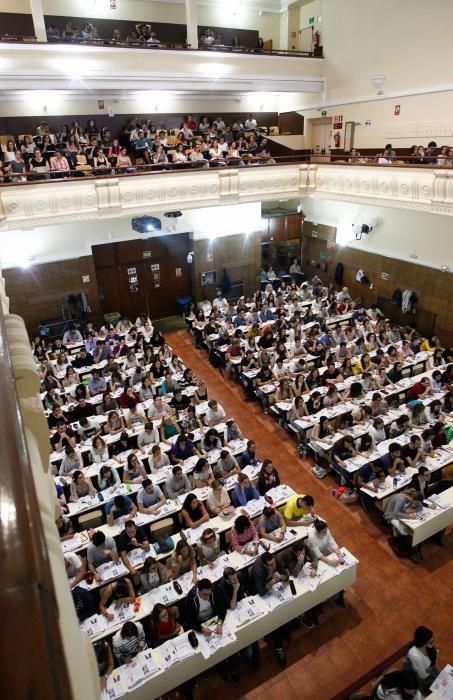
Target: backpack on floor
{"x":304,"y":449}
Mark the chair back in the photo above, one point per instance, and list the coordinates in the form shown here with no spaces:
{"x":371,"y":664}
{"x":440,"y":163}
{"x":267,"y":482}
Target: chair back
{"x":92,"y":519}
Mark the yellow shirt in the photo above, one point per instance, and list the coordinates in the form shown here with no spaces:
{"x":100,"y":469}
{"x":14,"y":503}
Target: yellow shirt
{"x":292,"y":511}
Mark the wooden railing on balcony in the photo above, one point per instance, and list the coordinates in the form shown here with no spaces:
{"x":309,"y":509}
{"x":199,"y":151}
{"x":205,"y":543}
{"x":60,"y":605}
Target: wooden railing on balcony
{"x":31,"y":650}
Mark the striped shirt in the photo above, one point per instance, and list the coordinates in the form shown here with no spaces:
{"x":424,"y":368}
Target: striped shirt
{"x":129,"y":647}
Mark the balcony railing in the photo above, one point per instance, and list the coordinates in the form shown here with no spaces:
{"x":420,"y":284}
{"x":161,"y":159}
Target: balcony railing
{"x":75,"y":174}
{"x":163,"y":46}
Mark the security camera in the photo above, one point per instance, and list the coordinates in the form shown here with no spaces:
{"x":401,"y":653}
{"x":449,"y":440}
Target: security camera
{"x":190,"y":257}
{"x":360,"y":230}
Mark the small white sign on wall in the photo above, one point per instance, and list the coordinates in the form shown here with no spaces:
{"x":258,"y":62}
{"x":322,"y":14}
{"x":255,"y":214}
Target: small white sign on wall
{"x":209,"y":257}
{"x":178,"y":271}
{"x":385,"y":276}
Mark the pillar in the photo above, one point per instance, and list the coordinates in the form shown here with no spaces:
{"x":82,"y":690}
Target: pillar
{"x":192,"y":23}
{"x":38,"y":20}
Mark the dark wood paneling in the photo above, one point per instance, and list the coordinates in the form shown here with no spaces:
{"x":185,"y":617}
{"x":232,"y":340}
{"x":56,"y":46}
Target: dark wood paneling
{"x":155,"y":297}
{"x":15,"y":24}
{"x":290,"y":123}
{"x":247,"y":37}
{"x":166,"y":32}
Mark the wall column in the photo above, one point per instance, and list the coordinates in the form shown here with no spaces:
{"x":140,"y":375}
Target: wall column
{"x":192,"y":23}
{"x":38,"y":20}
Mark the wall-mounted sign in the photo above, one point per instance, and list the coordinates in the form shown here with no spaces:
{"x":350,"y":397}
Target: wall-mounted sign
{"x":178,"y":272}
{"x":113,"y":4}
{"x":323,"y":255}
{"x":331,"y":244}
{"x":85,"y":279}
{"x":100,"y":104}
{"x":146,"y":254}
{"x":324,"y":113}
{"x":397,"y":111}
{"x":155,"y":267}
{"x":209,"y":257}
{"x":314,"y":234}
{"x":337,"y":121}
{"x":385,"y":276}
{"x":311,"y":20}
{"x":131,"y":270}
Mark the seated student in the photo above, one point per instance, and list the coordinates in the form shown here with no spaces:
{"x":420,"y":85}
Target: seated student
{"x":202,"y":474}
{"x":267,"y":572}
{"x":150,"y":498}
{"x":233,"y":432}
{"x":179,"y":401}
{"x":120,"y":592}
{"x":232,"y":589}
{"x":132,"y":537}
{"x":343,"y":450}
{"x":397,"y":685}
{"x":135,"y":417}
{"x":101,"y":551}
{"x":97,"y":384}
{"x":104,"y":658}
{"x":202,"y":603}
{"x":422,"y":657}
{"x":210,"y":441}
{"x":413,"y":452}
{"x":83,"y":409}
{"x":149,"y":436}
{"x":268,"y":477}
{"x":120,"y":506}
{"x":129,"y":641}
{"x":244,"y":536}
{"x":134,"y":471}
{"x":215,"y":413}
{"x":377,"y":431}
{"x":270,"y":521}
{"x":88,"y":429}
{"x":399,"y":507}
{"x":393,"y":462}
{"x":63,"y":438}
{"x":226,"y":466}
{"x":182,"y":560}
{"x":218,"y":500}
{"x":164,"y":623}
{"x":244,"y":491}
{"x":420,"y":481}
{"x":419,"y":390}
{"x":182,"y":449}
{"x":177,"y":484}
{"x":168,"y":429}
{"x":99,"y":450}
{"x":249,"y":455}
{"x":190,"y":421}
{"x":115,"y":424}
{"x":65,"y":527}
{"x":321,"y":545}
{"x":75,"y":569}
{"x":399,"y":426}
{"x":152,"y":575}
{"x":157,"y":460}
{"x":193,"y":511}
{"x":208,"y":547}
{"x":81,"y":486}
{"x":71,"y":462}
{"x":299,"y":510}
{"x":108,"y":478}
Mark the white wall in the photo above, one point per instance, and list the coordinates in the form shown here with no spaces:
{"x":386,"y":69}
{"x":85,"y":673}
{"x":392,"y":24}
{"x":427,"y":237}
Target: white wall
{"x":19,"y":6}
{"x":67,"y":241}
{"x":421,"y":118}
{"x":397,"y":234}
{"x":37,"y":103}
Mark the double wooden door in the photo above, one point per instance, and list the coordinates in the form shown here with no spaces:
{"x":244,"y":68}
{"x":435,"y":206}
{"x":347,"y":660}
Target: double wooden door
{"x":143,"y":276}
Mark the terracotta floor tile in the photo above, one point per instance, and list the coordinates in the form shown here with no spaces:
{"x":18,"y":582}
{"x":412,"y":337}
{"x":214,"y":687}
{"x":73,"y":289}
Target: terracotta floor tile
{"x":390,"y":597}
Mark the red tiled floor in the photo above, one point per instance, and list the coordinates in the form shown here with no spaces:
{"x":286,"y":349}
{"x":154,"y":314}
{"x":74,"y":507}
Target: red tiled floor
{"x":390,"y":597}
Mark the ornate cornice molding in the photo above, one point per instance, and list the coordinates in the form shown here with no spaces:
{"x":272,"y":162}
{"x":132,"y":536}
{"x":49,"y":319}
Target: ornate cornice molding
{"x":425,"y":190}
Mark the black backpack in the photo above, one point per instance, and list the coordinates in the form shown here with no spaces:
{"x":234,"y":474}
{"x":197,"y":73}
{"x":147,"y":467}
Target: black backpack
{"x":397,"y":297}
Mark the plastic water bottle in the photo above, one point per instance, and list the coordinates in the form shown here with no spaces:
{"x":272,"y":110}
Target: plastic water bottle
{"x":395,"y":482}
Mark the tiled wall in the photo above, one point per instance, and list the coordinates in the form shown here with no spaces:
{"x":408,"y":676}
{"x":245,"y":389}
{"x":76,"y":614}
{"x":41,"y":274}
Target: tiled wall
{"x":239,"y":254}
{"x":36,"y":293}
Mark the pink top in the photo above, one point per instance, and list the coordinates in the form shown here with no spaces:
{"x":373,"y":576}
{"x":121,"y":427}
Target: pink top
{"x":238,"y":541}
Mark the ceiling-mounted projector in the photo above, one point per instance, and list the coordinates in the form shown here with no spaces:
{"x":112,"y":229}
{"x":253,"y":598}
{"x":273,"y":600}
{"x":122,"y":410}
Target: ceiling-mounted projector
{"x":146,"y":224}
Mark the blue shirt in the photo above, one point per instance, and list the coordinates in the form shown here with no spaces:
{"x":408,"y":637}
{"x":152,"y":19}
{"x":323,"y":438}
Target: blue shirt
{"x":125,"y":510}
{"x":242,"y":496}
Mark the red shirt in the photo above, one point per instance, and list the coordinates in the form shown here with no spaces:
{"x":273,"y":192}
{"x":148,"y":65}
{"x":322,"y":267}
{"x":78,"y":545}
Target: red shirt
{"x":416,"y":390}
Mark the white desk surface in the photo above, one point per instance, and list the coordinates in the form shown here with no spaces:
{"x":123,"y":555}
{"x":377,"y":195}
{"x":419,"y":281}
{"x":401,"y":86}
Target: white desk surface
{"x":333,"y":581}
{"x":433,"y":520}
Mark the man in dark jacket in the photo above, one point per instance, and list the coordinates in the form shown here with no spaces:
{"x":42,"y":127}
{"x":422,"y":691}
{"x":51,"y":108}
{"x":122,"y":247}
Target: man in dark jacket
{"x":203,"y":603}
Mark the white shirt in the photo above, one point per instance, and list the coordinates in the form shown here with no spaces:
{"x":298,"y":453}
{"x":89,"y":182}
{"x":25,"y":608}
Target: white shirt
{"x":75,"y":564}
{"x":321,"y":546}
{"x":215,"y":416}
{"x":250,"y":124}
{"x":420,"y":662}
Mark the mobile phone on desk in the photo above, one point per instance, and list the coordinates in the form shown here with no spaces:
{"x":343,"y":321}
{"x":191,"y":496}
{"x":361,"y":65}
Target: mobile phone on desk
{"x":292,"y":586}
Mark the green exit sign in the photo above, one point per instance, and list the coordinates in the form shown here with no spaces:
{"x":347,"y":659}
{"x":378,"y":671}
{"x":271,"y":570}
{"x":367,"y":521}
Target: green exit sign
{"x":146,"y":254}
{"x":311,"y":20}
{"x":314,"y":234}
{"x":324,"y":114}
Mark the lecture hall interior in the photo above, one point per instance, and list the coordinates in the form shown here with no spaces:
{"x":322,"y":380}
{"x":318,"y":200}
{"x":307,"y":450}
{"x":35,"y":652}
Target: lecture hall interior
{"x":226,"y":349}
